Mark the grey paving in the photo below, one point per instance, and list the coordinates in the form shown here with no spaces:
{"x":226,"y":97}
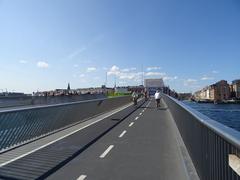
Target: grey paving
{"x":47,"y":160}
{"x":150,"y":149}
{"x":20,"y":151}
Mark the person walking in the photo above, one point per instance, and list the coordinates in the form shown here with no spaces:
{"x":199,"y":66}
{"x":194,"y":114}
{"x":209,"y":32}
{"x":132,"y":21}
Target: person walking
{"x":157,"y":97}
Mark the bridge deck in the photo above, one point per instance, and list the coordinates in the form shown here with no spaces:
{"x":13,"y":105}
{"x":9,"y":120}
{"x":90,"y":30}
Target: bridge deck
{"x":138,"y":143}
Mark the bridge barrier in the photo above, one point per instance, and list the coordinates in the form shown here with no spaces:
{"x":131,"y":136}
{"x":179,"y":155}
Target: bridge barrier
{"x":45,"y":100}
{"x":213,"y":147}
{"x":22,"y":125}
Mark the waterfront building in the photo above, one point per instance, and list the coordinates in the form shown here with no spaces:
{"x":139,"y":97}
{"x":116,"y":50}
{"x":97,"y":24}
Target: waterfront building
{"x":212,"y":92}
{"x":222,"y":91}
{"x":219,"y":91}
{"x":205,"y":94}
{"x":236,"y":88}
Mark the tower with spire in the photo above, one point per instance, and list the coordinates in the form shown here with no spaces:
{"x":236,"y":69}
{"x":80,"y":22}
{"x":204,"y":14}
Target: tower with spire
{"x":68,"y":88}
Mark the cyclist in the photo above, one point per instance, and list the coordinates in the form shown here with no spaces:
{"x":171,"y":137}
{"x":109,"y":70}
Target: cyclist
{"x":146,"y":95}
{"x":134,"y":97}
{"x":157,"y":97}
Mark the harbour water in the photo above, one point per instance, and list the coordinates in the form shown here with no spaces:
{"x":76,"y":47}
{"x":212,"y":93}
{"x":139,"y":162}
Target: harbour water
{"x":227,"y":114}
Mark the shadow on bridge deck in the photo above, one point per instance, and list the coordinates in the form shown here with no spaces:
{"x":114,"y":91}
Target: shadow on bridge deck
{"x":151,"y":149}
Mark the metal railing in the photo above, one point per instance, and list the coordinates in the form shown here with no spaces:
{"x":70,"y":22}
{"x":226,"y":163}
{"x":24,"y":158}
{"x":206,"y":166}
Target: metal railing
{"x":23,"y":125}
{"x":45,"y":100}
{"x":209,"y":143}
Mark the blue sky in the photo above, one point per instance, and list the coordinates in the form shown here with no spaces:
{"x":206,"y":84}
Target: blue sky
{"x":46,"y":44}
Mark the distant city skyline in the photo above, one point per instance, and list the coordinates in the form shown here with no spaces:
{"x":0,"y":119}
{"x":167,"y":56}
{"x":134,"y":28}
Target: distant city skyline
{"x":45,"y":45}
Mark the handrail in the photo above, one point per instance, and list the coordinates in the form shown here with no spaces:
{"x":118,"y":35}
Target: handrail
{"x":231,"y":135}
{"x":15,"y":109}
{"x":21,"y":125}
{"x":213,"y":147}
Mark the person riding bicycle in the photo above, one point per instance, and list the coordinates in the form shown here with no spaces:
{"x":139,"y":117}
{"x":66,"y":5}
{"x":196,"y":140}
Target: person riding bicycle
{"x":134,"y":97}
{"x":157,"y":97}
{"x":146,"y":95}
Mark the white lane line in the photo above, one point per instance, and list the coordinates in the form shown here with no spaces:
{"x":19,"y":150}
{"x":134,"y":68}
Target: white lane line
{"x":131,"y":124}
{"x":106,"y":151}
{"x":122,"y":134}
{"x":30,"y":152}
{"x":82,"y":177}
{"x":140,"y":114}
{"x":136,"y":118}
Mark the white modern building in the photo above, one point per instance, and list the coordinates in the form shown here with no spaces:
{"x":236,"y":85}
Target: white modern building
{"x":152,"y":85}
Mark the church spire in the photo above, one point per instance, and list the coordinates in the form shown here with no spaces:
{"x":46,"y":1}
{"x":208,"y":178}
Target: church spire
{"x":68,"y":88}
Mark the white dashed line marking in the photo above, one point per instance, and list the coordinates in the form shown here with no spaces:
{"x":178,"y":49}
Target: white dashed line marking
{"x":122,"y":134}
{"x":106,"y":151}
{"x":140,"y":114}
{"x":131,"y":124}
{"x":136,"y":118}
{"x":82,"y":177}
{"x":62,"y":137}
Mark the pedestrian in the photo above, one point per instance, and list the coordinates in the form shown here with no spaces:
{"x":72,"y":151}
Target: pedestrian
{"x":157,"y":97}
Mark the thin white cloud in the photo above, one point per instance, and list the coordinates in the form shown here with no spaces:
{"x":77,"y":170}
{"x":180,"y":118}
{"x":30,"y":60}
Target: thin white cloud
{"x":155,"y":74}
{"x":169,"y":78}
{"x":91,"y":69}
{"x":122,"y":82}
{"x":129,"y":69}
{"x":23,"y":62}
{"x":42,"y":64}
{"x":129,"y":74}
{"x":190,"y":82}
{"x":125,"y":70}
{"x":114,"y":70}
{"x":153,"y":68}
{"x":76,"y":52}
{"x":215,"y":72}
{"x":125,"y":74}
{"x":82,"y":75}
{"x":75,"y":65}
{"x":205,"y":78}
